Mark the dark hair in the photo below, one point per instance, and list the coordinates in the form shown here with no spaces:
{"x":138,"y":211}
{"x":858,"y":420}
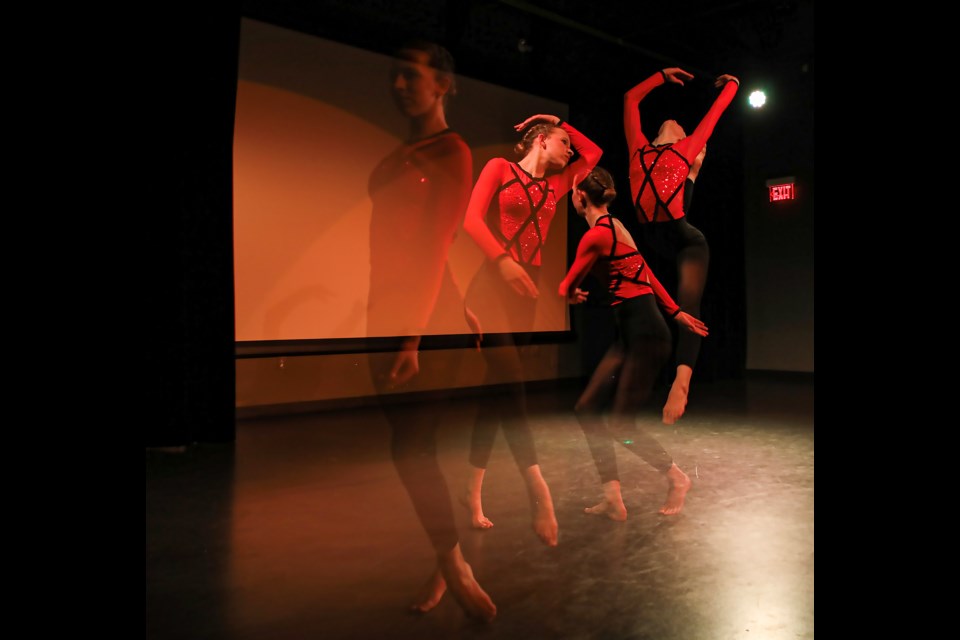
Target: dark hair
{"x":522,"y":148}
{"x":438,"y":58}
{"x":598,"y":185}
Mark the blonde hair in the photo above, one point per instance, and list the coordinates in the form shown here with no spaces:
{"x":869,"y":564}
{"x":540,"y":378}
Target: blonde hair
{"x":523,"y":147}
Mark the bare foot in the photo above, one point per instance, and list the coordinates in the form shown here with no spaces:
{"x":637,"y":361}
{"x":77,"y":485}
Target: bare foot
{"x":459,"y":579}
{"x":612,"y":504}
{"x":541,"y":503}
{"x":679,"y":485}
{"x":607,"y":508}
{"x":470,"y":498}
{"x":430,"y":594}
{"x":677,"y":400}
{"x":471,"y":501}
{"x":545,"y":523}
{"x":676,"y":404}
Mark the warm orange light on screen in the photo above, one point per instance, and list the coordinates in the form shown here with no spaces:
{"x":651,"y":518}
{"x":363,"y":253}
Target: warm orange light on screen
{"x":308,"y":134}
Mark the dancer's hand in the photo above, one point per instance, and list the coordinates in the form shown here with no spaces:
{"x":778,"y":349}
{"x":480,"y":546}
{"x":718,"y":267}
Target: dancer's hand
{"x":474,"y":323}
{"x":677,"y":75}
{"x":577,"y":296}
{"x":517,"y":277}
{"x":406,"y":364}
{"x":724,"y":79}
{"x":691,"y":324}
{"x":554,"y":120}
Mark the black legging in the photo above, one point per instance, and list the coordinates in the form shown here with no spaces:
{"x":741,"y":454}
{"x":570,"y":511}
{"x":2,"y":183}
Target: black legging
{"x":499,"y":307}
{"x":681,"y":241}
{"x":413,"y":443}
{"x":627,"y":372}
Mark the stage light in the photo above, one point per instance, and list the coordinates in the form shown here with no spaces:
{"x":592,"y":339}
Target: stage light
{"x":757,"y":99}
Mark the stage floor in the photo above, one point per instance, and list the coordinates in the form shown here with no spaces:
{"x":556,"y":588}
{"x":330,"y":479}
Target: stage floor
{"x":301,"y":529}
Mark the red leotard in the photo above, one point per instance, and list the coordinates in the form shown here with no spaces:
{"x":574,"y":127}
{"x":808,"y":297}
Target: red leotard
{"x":626,"y":274}
{"x":630,"y":367}
{"x":657,"y":173}
{"x":511,"y":211}
{"x":419,"y":193}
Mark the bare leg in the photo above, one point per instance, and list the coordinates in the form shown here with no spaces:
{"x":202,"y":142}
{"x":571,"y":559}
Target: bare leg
{"x":677,"y":400}
{"x":471,"y":499}
{"x":541,"y":503}
{"x":679,"y":485}
{"x":612,"y":505}
{"x":430,"y":594}
{"x":460,"y":581}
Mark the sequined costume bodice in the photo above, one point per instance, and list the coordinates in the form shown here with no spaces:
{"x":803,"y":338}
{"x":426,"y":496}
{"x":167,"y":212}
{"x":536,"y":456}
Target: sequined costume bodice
{"x":418,"y":194}
{"x":662,"y":174}
{"x":618,"y":265}
{"x":510,"y":211}
{"x":658,"y":173}
{"x":521,"y":217}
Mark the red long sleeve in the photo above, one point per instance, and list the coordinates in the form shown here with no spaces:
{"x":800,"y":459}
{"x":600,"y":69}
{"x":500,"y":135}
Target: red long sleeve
{"x":510,"y":211}
{"x":663,"y":298}
{"x":658,"y":173}
{"x":631,"y":111}
{"x":419,"y":194}
{"x":591,"y":247}
{"x":690,"y":146}
{"x":626,"y":274}
{"x":589,"y":154}
{"x":474,"y":223}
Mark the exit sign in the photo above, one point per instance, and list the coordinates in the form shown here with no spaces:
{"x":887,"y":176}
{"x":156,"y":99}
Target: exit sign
{"x":782,"y":188}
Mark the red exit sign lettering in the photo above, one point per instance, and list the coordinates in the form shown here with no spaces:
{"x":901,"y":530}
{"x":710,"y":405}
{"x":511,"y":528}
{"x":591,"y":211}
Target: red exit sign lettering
{"x":782,"y":189}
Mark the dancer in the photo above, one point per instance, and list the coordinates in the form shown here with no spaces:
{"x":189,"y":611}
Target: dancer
{"x":419,"y":193}
{"x":631,"y":365}
{"x":658,"y":171}
{"x":688,"y":184}
{"x":509,"y":216}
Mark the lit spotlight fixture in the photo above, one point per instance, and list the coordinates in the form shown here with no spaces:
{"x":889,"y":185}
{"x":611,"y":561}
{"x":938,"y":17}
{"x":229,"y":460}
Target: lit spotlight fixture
{"x":758,"y":99}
